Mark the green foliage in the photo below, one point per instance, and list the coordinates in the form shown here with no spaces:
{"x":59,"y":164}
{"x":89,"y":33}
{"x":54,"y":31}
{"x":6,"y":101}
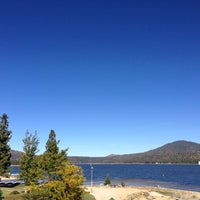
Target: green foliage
{"x":166,"y":193}
{"x":52,"y":157}
{"x":5,"y":155}
{"x":65,"y":187}
{"x":1,"y":194}
{"x":30,"y":169}
{"x":63,"y":179}
{"x":87,"y":196}
{"x":52,"y":144}
{"x":107,"y":180}
{"x":68,"y":185}
{"x":14,"y":192}
{"x":123,"y":184}
{"x":42,"y":194}
{"x":36,"y":192}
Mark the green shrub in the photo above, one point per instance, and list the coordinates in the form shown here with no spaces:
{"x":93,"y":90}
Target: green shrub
{"x":15,"y":192}
{"x":123,"y":184}
{"x":88,"y":196}
{"x":107,"y":180}
{"x":34,"y":194}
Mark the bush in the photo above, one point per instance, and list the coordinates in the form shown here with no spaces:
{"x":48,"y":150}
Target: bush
{"x":123,"y":184}
{"x":107,"y":180}
{"x":87,"y":196}
{"x":36,"y":193}
{"x":15,"y":192}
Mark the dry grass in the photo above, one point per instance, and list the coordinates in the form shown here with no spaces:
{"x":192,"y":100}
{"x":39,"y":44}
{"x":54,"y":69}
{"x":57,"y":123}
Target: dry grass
{"x":7,"y":192}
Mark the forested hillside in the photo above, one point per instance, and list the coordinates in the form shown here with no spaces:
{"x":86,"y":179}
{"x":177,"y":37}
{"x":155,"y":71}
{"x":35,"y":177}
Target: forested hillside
{"x":175,"y":152}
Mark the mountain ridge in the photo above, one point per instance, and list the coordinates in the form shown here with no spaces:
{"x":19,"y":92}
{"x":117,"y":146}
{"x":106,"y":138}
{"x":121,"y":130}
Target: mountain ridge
{"x":180,"y":151}
{"x":180,"y":146}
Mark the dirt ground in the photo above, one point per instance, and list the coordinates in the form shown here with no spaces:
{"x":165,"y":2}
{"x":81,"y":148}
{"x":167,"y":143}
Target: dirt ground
{"x":141,"y":193}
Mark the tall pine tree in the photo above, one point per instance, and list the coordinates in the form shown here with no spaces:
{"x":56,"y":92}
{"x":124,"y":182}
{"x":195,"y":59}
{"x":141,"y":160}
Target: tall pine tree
{"x":52,"y":157}
{"x":5,"y":153}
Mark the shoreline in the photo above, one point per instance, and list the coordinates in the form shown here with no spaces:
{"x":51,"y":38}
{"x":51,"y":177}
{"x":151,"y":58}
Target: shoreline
{"x":146,"y":183}
{"x":10,"y":178}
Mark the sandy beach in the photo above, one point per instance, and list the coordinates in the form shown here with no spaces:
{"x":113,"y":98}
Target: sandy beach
{"x":12,"y":177}
{"x":141,"y":193}
{"x":136,"y":193}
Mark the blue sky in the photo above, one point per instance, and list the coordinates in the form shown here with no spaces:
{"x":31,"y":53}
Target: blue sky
{"x":110,"y":77}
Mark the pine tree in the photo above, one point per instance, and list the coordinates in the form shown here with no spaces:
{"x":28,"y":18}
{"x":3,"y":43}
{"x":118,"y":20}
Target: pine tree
{"x":107,"y":180}
{"x":62,"y":179}
{"x":5,"y":154}
{"x":30,"y":169}
{"x":52,"y":144}
{"x":52,"y":156}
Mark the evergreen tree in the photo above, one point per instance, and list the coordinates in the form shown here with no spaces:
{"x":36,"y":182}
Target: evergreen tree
{"x":52,"y":156}
{"x":52,"y":144}
{"x":30,"y":169}
{"x":107,"y":180}
{"x":5,"y":154}
{"x":64,"y":180}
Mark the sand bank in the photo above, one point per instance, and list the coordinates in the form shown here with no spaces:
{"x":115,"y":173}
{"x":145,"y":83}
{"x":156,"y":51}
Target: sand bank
{"x":12,"y":177}
{"x":141,"y":193}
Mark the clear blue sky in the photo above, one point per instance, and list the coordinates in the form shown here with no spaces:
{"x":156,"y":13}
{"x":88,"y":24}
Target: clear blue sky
{"x":108,"y":76}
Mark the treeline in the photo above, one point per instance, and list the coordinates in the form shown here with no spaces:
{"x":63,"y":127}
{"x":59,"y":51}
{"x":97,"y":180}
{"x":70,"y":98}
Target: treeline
{"x":179,"y":152}
{"x":179,"y":158}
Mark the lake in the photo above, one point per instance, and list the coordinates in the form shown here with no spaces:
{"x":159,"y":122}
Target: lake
{"x":185,"y":177}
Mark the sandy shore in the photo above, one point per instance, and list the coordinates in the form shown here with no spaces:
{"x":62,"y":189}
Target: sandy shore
{"x":141,"y":193}
{"x":12,"y":177}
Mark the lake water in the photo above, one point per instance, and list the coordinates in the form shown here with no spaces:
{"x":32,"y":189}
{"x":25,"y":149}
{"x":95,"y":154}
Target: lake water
{"x":186,"y":177}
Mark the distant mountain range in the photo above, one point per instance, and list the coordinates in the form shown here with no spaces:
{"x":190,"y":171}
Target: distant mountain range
{"x":175,"y":152}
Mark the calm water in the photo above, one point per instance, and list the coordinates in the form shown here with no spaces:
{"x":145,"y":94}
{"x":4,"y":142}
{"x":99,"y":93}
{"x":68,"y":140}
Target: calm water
{"x":185,"y":177}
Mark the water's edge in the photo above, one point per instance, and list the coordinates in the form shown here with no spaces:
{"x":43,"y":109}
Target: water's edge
{"x":183,"y":177}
